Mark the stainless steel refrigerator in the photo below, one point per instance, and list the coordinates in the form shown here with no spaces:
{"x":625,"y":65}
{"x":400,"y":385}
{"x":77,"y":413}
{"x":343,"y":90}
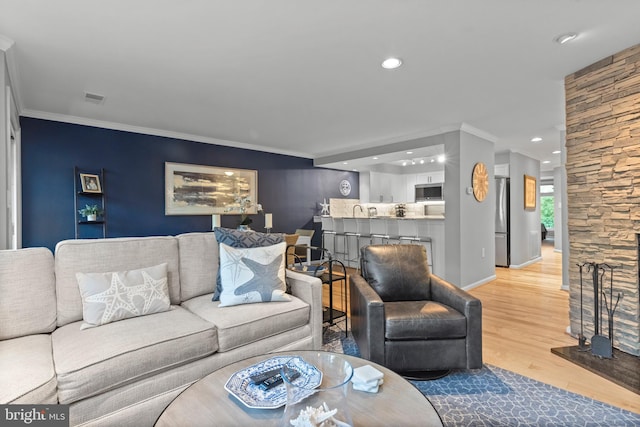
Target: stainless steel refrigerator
{"x":503,"y":256}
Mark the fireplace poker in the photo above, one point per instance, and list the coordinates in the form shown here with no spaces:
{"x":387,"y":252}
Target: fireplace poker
{"x":611,"y":308}
{"x":600,"y":344}
{"x":582,"y":340}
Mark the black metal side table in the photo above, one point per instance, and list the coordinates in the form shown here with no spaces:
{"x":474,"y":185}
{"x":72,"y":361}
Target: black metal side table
{"x":334,"y":272}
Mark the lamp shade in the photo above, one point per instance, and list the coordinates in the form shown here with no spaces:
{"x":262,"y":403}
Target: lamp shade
{"x":268,"y":220}
{"x":215,"y":221}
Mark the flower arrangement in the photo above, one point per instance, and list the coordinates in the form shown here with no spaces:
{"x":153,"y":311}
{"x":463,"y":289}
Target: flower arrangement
{"x":242,"y":204}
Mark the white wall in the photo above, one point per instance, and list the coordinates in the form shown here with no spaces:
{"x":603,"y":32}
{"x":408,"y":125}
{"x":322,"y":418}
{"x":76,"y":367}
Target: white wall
{"x":469,"y":224}
{"x":5,"y":142}
{"x":525,"y":238}
{"x":558,"y":205}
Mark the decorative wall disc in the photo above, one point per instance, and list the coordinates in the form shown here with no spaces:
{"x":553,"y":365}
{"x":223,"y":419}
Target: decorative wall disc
{"x":345,"y":187}
{"x":480,"y":181}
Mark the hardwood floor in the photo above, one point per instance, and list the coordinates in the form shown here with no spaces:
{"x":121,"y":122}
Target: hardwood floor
{"x":525,"y":314}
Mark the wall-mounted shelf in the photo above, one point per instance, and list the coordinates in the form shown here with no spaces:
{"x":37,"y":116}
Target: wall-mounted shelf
{"x":91,"y":193}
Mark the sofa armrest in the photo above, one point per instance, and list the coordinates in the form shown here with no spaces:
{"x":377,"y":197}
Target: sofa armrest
{"x":451,"y":295}
{"x":367,"y":319}
{"x":309,"y":290}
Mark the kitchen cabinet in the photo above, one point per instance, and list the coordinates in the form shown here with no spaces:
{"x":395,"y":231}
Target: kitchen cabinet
{"x":435,"y":177}
{"x":410,"y":187}
{"x":387,"y":188}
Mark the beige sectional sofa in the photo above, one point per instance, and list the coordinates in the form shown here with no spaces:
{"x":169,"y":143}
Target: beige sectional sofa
{"x":126,"y":372}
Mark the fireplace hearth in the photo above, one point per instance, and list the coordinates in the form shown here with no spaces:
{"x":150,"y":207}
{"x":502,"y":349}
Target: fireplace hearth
{"x":622,"y":369}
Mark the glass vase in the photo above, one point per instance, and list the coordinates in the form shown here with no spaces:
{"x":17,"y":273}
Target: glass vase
{"x":311,"y":404}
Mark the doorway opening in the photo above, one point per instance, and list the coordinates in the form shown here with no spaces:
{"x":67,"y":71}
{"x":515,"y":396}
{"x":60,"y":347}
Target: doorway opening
{"x":547,"y":211}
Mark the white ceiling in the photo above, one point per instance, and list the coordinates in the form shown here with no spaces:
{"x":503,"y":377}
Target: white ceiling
{"x":303,"y":77}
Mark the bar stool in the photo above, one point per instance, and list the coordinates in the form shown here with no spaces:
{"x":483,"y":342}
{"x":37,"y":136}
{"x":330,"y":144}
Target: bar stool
{"x":378,"y":230}
{"x":364,"y":238}
{"x":393,"y":234}
{"x":351,"y":234}
{"x":328,"y":233}
{"x":339,"y":249}
{"x":422,"y":231}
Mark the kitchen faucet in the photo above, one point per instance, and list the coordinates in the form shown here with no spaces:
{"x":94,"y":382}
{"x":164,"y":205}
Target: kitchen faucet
{"x":353,"y":214}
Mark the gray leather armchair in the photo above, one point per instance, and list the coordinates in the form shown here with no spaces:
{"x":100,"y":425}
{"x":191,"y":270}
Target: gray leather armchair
{"x":407,"y":319}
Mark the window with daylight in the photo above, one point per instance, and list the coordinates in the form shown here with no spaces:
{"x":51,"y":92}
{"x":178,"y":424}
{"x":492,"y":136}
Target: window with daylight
{"x":546,"y":205}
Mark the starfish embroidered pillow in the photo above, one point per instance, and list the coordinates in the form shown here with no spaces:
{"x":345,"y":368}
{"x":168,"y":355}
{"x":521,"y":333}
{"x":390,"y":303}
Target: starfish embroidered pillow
{"x":242,"y":239}
{"x":108,"y":297}
{"x":252,"y":275}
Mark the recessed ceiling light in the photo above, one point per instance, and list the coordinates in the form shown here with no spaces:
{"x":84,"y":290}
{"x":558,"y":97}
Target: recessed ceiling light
{"x":413,"y":162}
{"x":422,"y":161}
{"x":375,"y":158}
{"x":409,"y":152}
{"x":441,"y":158}
{"x":228,"y":173}
{"x":536,"y":139}
{"x":556,"y":152}
{"x":564,"y":38}
{"x":546,"y":162}
{"x":432,"y":161}
{"x":404,"y":163}
{"x":391,"y":63}
{"x":345,"y":163}
{"x":355,"y":170}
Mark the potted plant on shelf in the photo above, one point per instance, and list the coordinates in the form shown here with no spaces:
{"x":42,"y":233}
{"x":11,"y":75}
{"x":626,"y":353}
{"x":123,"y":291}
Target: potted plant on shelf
{"x":91,"y":212}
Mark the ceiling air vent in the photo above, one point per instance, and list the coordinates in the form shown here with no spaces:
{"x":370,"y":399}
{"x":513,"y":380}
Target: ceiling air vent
{"x":93,"y":98}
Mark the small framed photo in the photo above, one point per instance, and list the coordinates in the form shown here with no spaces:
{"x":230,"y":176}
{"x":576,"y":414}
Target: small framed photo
{"x":90,"y":183}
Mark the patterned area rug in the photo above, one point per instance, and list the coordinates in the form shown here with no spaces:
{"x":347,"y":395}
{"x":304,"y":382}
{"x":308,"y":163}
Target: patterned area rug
{"x":492,"y":396}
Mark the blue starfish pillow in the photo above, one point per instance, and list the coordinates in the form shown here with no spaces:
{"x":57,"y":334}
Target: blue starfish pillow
{"x":250,"y":275}
{"x":242,"y":239}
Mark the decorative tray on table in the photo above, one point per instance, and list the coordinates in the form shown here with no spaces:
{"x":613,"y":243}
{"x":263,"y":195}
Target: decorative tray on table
{"x":311,"y":270}
{"x":252,"y":396}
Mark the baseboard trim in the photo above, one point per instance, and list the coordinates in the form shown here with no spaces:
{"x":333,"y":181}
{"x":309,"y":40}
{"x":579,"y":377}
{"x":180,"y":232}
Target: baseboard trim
{"x":479,"y":282}
{"x":532,"y":261}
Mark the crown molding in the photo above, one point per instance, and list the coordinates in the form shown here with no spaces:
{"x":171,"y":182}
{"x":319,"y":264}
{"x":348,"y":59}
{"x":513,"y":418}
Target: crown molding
{"x":7,"y":45}
{"x":478,"y":132}
{"x":36,"y":114}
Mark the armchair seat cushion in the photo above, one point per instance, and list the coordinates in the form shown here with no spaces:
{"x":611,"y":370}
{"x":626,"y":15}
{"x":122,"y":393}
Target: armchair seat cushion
{"x":422,"y":320}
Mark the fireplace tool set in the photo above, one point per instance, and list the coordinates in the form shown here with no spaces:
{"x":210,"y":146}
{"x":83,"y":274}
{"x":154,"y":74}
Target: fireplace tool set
{"x":601,"y":345}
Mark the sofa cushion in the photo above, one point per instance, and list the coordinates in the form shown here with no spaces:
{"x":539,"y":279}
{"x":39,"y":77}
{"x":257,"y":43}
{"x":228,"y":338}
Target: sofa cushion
{"x":26,"y":371}
{"x":198,"y":264}
{"x":422,"y":320}
{"x":242,"y":239}
{"x":118,"y":295}
{"x":244,"y":324}
{"x":27,"y":292}
{"x":251,"y":275}
{"x":92,"y":361}
{"x":113,"y":254}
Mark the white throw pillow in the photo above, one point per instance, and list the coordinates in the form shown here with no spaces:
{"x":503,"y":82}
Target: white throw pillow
{"x":108,"y":297}
{"x":251,"y":275}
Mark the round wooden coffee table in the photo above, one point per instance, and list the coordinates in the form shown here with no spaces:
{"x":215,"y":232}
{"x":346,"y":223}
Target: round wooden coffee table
{"x":207,"y":403}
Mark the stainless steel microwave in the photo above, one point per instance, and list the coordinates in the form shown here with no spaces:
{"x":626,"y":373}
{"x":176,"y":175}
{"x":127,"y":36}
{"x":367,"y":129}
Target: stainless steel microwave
{"x":426,"y":192}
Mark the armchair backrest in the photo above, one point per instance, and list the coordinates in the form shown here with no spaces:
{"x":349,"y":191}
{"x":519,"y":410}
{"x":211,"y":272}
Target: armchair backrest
{"x":397,"y":272}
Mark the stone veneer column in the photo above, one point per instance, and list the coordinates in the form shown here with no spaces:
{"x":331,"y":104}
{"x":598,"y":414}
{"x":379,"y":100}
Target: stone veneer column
{"x":603,"y":187}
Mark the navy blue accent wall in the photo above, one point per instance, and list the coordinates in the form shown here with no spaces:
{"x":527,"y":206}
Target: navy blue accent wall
{"x":289,"y":187}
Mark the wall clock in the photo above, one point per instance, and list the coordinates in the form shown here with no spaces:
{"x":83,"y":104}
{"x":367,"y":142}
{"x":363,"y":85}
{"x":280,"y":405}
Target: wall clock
{"x":480,"y":181}
{"x":345,"y":187}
